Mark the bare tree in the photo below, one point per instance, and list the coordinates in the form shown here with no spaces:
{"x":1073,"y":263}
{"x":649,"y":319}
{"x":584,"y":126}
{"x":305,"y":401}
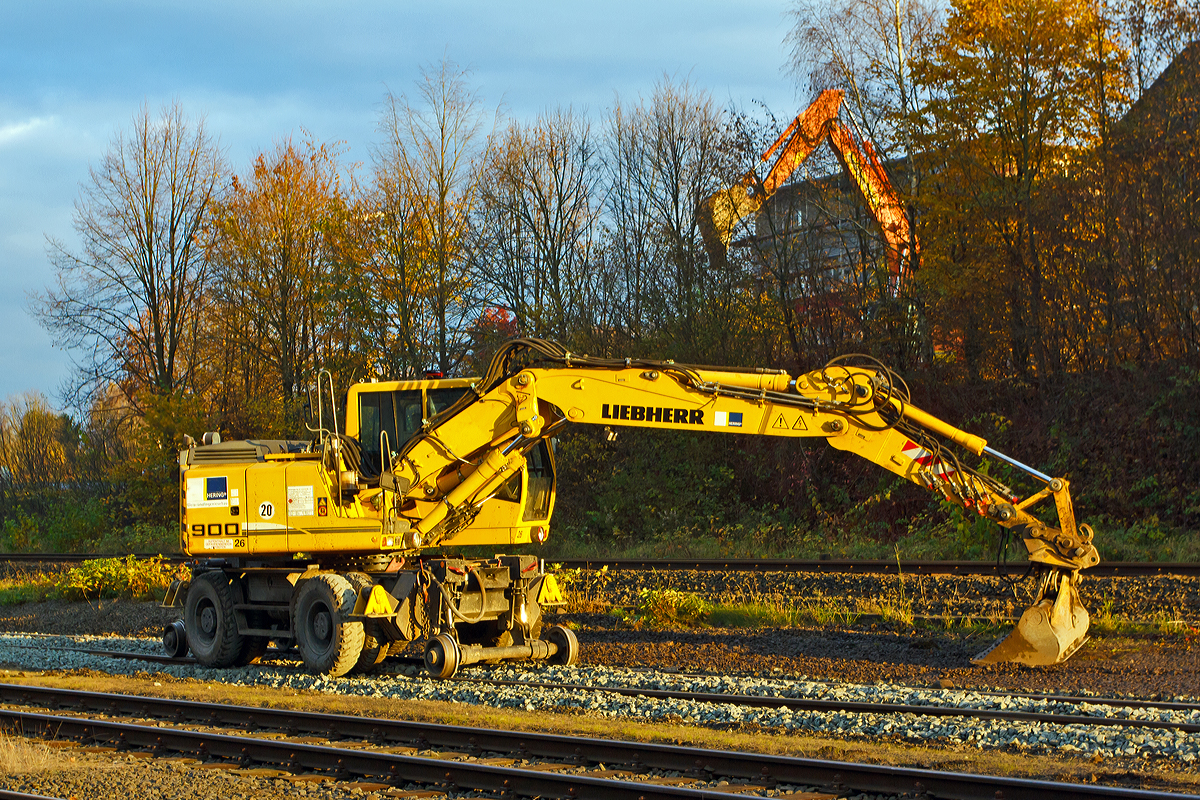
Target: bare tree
{"x":125,"y":300}
{"x":536,"y":230}
{"x":867,"y":48}
{"x":432,"y":160}
{"x":666,"y":155}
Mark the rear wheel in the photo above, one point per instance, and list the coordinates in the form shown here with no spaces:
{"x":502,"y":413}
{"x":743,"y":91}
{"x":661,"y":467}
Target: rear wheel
{"x":328,"y":643}
{"x":212,"y":633}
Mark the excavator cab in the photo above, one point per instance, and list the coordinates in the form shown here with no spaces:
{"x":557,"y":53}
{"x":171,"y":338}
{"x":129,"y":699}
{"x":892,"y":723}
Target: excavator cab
{"x":382,"y":417}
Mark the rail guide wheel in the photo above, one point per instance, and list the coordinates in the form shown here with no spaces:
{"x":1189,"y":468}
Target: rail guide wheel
{"x":442,"y":656}
{"x":568,"y":645}
{"x":174,"y":639}
{"x":328,"y":642}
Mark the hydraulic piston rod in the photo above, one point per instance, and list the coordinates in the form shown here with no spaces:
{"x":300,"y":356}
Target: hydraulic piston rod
{"x":1041,"y":476}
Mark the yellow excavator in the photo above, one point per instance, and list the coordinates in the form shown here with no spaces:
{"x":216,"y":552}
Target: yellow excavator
{"x":720,"y":213}
{"x":330,"y":545}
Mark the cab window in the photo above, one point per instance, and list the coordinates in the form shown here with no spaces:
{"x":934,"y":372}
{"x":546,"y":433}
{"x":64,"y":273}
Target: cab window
{"x":540,"y":474}
{"x":397,"y":413}
{"x":441,"y":399}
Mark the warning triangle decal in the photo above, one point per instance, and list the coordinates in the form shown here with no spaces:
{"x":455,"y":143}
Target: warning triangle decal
{"x":800,"y":426}
{"x":780,"y":423}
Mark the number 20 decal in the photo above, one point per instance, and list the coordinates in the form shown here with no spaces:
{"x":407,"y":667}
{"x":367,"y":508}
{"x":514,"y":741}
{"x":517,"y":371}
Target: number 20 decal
{"x":266,"y":510}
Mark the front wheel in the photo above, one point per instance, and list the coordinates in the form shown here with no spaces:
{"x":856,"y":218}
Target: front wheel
{"x":212,"y":633}
{"x":328,"y":643}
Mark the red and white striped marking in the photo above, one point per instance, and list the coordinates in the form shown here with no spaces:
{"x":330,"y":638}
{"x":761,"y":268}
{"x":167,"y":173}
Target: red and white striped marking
{"x":926,"y":459}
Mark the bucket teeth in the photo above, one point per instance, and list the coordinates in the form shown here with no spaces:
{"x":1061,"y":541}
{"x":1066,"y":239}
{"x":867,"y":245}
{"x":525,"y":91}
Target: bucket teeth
{"x":1050,"y":631}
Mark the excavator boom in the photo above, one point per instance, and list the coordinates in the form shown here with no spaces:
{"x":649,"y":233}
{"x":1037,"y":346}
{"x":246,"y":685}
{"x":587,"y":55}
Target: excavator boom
{"x":721,"y":212}
{"x":863,"y":409}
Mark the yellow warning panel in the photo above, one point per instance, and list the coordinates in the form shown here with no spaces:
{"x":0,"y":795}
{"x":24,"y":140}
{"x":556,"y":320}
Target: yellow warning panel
{"x":376,"y":604}
{"x":550,"y":594}
{"x":780,"y":423}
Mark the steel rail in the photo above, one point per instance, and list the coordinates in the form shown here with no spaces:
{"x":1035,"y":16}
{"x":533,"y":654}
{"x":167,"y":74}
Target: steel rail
{"x":417,"y":661}
{"x":805,"y":704}
{"x":795,"y":702}
{"x":5,"y":794}
{"x":833,"y":566}
{"x":704,"y":764}
{"x":864,"y":567}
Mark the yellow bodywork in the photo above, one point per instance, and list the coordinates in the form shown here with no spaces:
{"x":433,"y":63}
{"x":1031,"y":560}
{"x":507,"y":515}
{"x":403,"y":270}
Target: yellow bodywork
{"x":467,"y":462}
{"x":290,"y":503}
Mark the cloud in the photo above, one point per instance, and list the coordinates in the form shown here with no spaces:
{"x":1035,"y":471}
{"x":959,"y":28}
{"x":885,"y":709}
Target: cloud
{"x":15,"y":131}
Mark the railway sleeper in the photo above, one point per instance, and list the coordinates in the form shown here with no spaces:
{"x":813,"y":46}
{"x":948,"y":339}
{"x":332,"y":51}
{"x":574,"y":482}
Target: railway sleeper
{"x":350,"y":617}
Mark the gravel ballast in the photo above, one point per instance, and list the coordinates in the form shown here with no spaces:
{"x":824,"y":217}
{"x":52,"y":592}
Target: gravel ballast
{"x":56,"y":653}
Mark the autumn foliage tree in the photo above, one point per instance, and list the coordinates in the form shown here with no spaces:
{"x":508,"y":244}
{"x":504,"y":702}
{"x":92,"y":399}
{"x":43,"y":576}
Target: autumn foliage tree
{"x":1011,"y":105}
{"x":282,"y":268}
{"x":1050,"y":180}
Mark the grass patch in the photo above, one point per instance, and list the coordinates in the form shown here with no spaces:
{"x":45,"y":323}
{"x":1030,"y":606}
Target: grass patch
{"x":127,"y":578}
{"x":28,"y":589}
{"x":671,"y":609}
{"x":19,"y":755}
{"x":776,"y":615}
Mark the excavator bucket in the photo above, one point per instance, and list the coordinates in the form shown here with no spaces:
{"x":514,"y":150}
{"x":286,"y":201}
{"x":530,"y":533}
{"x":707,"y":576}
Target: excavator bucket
{"x":1049,"y":631}
{"x":719,"y":213}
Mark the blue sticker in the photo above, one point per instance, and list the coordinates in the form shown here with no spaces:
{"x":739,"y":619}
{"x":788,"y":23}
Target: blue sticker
{"x":218,"y":488}
{"x":735,"y":419}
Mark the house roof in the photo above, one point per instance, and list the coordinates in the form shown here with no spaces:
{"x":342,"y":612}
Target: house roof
{"x":1167,"y":111}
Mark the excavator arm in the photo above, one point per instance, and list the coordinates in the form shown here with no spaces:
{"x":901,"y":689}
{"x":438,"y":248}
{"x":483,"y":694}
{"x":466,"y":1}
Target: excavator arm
{"x":720,"y":213}
{"x":534,"y":389}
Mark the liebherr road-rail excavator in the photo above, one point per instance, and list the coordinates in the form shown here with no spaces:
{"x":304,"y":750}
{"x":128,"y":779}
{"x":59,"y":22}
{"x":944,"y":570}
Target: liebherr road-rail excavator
{"x":330,"y":544}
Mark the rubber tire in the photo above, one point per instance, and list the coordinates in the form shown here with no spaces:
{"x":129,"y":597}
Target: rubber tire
{"x":568,"y":645}
{"x":210,"y":601}
{"x":374,"y":650}
{"x":441,"y":656}
{"x":335,"y":650}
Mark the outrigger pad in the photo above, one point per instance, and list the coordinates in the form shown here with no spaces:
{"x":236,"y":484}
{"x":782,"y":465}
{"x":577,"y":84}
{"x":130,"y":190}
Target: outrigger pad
{"x":1049,"y":632}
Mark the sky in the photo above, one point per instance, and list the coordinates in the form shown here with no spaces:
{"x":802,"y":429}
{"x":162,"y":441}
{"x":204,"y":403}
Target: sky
{"x":74,"y":74}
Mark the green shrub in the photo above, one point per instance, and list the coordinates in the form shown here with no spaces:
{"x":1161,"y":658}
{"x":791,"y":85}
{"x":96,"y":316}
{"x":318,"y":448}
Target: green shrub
{"x":665,"y":608}
{"x":130,"y":578}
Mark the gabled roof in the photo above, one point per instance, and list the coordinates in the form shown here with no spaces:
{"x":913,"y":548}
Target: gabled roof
{"x":1168,"y":111}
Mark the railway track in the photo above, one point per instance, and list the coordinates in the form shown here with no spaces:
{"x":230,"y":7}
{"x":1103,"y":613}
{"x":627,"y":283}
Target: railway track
{"x":523,"y":764}
{"x":834,"y":706}
{"x":816,"y":566}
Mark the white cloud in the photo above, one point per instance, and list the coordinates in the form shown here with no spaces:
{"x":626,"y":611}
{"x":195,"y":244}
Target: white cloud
{"x":15,"y":131}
